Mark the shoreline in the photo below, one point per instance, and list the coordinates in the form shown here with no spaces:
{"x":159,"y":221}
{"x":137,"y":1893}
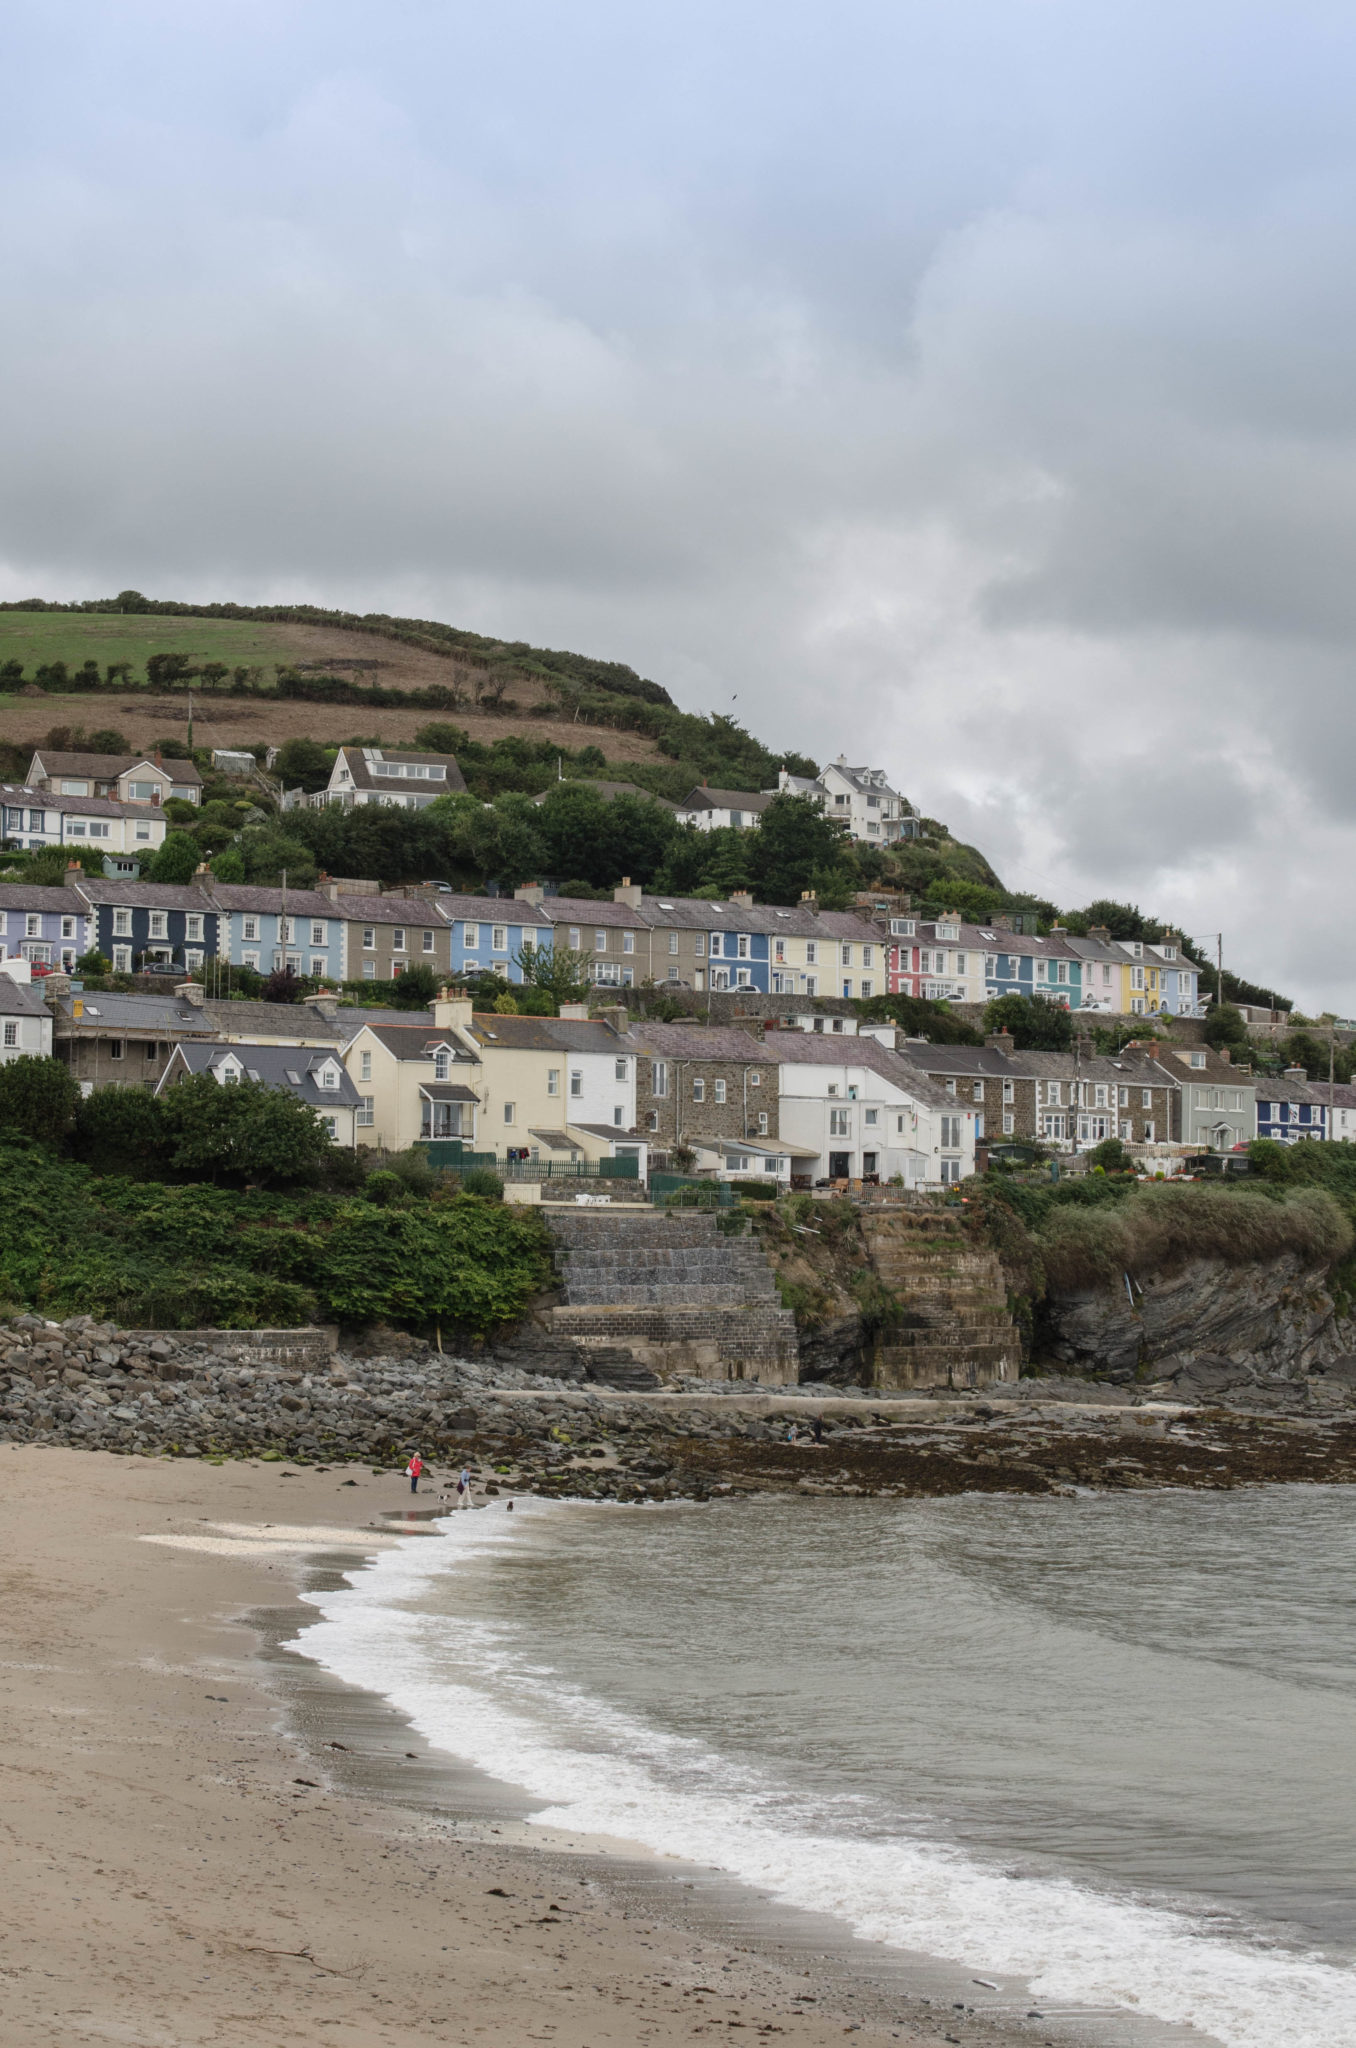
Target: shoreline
{"x":189,"y":1863}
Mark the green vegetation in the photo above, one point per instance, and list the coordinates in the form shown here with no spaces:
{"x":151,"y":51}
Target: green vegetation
{"x":1035,"y":1022}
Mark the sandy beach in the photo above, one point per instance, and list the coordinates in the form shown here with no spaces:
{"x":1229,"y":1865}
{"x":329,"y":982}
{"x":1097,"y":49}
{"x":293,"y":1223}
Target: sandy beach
{"x":182,"y":1868}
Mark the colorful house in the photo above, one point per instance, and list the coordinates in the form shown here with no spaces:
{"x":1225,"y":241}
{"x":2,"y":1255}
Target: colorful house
{"x":48,"y":927}
{"x":275,"y":929}
{"x":150,"y":923}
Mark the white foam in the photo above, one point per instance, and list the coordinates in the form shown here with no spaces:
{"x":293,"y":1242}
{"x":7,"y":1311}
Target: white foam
{"x":606,"y":1774}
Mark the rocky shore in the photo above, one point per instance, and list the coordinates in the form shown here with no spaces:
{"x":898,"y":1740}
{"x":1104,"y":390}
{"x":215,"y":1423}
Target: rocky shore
{"x":573,"y":1423}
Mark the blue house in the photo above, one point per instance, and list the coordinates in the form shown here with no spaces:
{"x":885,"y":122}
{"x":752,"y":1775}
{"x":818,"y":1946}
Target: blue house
{"x":1291,"y":1107}
{"x":49,"y":927}
{"x":1016,"y":964}
{"x":274,"y":929}
{"x":737,"y":944}
{"x":489,"y":932}
{"x":152,"y":924}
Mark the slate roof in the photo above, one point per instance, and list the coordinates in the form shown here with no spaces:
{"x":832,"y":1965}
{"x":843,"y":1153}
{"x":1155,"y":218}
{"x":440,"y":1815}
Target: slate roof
{"x":290,"y":1020}
{"x":547,"y":1034}
{"x":298,"y":902}
{"x":704,"y":799}
{"x":1275,"y":1088}
{"x":609,"y":791}
{"x":488,"y":910}
{"x":414,"y":911}
{"x":703,"y":1042}
{"x":357,"y":760}
{"x":107,"y":767}
{"x":145,"y":895}
{"x":20,"y":998}
{"x":277,"y":1066}
{"x":166,"y":1016}
{"x":417,"y":1041}
{"x":27,"y":896}
{"x":79,"y":806}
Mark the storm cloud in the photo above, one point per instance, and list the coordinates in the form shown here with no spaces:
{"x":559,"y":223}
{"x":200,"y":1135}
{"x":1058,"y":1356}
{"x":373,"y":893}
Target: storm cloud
{"x":968,"y":389}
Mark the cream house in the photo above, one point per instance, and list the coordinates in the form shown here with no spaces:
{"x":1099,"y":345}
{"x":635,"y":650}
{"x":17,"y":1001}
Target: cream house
{"x":556,"y":1088}
{"x":417,"y":1080}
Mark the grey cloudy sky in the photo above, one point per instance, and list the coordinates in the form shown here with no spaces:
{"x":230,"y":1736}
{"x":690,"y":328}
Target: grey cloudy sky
{"x":968,"y":387}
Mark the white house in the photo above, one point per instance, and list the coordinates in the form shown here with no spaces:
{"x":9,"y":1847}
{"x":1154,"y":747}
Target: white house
{"x":125,"y":778}
{"x":709,"y":808}
{"x":862,"y":1112}
{"x":25,"y":1020}
{"x":861,"y":799}
{"x":377,"y":775}
{"x":35,"y":818}
{"x":314,"y":1077}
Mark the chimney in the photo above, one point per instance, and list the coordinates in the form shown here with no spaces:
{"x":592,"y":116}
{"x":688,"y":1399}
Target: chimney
{"x":1297,"y":1073}
{"x":574,"y":1013}
{"x":74,"y":872}
{"x":1002,"y":922}
{"x":529,"y":892}
{"x":617,"y":1015}
{"x":1082,"y":1046}
{"x":628,"y":892}
{"x":1001,"y":1041}
{"x":1224,"y":1052}
{"x":203,"y":871}
{"x":809,"y":899}
{"x":190,"y":992}
{"x":1101,"y":932}
{"x":453,"y":1009}
{"x":1059,"y":930}
{"x":743,"y":897}
{"x":753,"y":1027}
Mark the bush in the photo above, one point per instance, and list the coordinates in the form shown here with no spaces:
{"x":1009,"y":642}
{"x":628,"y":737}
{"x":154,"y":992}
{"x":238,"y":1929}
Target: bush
{"x":1159,"y":1229}
{"x":757,"y":1190}
{"x":1111,"y":1156}
{"x":478,"y":1180}
{"x":38,"y":1099}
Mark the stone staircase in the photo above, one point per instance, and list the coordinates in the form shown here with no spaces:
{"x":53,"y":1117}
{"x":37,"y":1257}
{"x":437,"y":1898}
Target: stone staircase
{"x":956,"y":1329}
{"x":674,"y":1291}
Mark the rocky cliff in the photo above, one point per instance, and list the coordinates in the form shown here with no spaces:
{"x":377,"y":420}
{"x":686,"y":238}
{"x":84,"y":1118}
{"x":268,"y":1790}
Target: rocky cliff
{"x":1206,"y":1325}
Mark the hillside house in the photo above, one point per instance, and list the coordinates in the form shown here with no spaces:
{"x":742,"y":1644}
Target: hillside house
{"x":316,"y":1078}
{"x":381,"y":775}
{"x":126,"y":778}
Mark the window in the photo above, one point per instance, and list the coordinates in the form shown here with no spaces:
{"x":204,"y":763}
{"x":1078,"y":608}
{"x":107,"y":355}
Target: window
{"x":1009,"y":1123}
{"x":76,"y":829}
{"x":699,"y":945}
{"x":652,"y":1119}
{"x":902,"y":927}
{"x":574,"y":938}
{"x":441,"y":1066}
{"x":1009,"y":1091}
{"x":286,"y":930}
{"x":369,"y":970}
{"x":812,"y":984}
{"x":628,"y":942}
{"x":699,"y":1090}
{"x":867,"y":952}
{"x":329,"y":1077}
{"x":960,"y":963}
{"x":659,"y":1077}
{"x":194,"y":930}
{"x":159,"y":924}
{"x":471,"y":937}
{"x":755,"y":1080}
{"x":369,"y":938}
{"x":838,"y":1123}
{"x":576,"y":1082}
{"x":499,"y":939}
{"x":715,"y":945}
{"x":117,"y":1050}
{"x":364,"y":1066}
{"x":720,"y":1091}
{"x":33,"y":925}
{"x":250,"y":928}
{"x":951,"y":1084}
{"x":977,"y":1091}
{"x":868,"y":987}
{"x":811,"y":953}
{"x":398,"y":938}
{"x":428,"y":942}
{"x":122,"y":924}
{"x":510,"y":1112}
{"x":616,"y":1113}
{"x":11,"y":1034}
{"x":847,"y":956}
{"x":951,"y":1172}
{"x":619,"y":1069}
{"x":317,"y":967}
{"x":1198,"y":1059}
{"x":871,"y":1116}
{"x":762,"y":1123}
{"x":97,"y":831}
{"x":122,"y":959}
{"x":1122,"y":1098}
{"x":951,"y":1132}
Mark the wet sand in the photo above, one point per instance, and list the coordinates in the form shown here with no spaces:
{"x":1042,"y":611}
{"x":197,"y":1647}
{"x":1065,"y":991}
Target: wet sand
{"x":188,"y":1860}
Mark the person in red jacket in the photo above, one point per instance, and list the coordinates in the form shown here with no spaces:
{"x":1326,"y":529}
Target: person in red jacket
{"x":414,"y":1468}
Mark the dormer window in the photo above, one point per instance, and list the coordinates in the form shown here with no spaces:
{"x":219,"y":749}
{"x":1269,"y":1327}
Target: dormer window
{"x":948,"y":931}
{"x":328,"y":1078}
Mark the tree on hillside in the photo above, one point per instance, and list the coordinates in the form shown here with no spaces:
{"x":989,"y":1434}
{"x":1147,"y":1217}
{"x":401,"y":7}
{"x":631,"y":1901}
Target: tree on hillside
{"x":441,"y":738}
{"x":38,"y":1099}
{"x":797,"y":848}
{"x":1036,"y":1023}
{"x":229,"y":865}
{"x":177,"y":859}
{"x":1225,"y":1030}
{"x":304,"y":764}
{"x":244,"y":1132}
{"x":120,"y":1130}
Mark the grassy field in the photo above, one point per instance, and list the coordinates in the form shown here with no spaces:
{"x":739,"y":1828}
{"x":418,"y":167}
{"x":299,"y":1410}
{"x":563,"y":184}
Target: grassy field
{"x":73,"y":637}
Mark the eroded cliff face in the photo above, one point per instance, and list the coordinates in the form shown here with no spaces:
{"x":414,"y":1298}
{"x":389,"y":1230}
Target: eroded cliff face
{"x":1277,"y":1320}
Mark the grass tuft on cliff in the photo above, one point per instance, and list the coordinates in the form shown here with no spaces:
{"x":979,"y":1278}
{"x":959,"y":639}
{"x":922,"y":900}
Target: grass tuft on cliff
{"x":1161,"y":1229}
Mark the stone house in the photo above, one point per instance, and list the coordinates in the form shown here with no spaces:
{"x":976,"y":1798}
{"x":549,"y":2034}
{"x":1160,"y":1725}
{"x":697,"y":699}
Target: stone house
{"x":714,"y":1089}
{"x":1073,"y":1099}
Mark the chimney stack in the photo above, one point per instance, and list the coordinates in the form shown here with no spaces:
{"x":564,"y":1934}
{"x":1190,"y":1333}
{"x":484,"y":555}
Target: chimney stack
{"x":1297,"y":1073}
{"x":1001,"y":1041}
{"x":529,"y":892}
{"x":628,"y":892}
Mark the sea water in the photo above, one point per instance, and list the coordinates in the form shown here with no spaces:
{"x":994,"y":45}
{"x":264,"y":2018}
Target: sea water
{"x":1104,"y":1744}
